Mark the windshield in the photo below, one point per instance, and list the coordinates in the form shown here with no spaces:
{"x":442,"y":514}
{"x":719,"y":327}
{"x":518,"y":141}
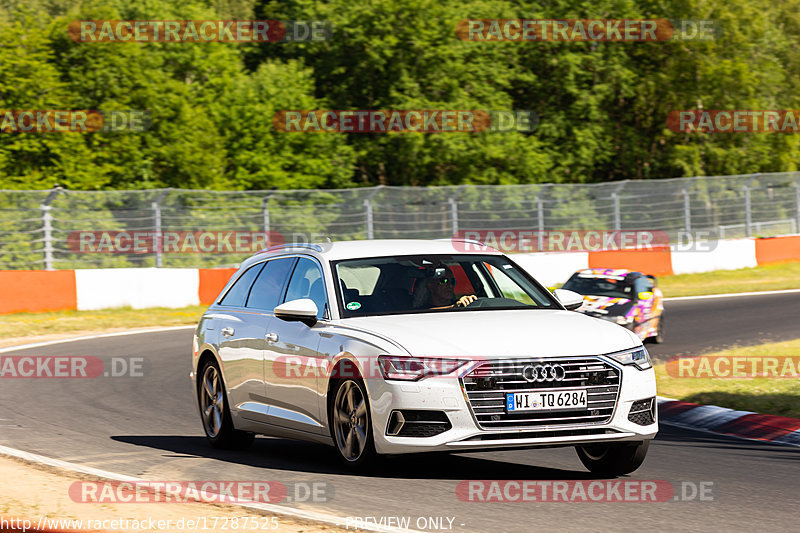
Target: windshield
{"x":433,"y":283}
{"x":598,"y":286}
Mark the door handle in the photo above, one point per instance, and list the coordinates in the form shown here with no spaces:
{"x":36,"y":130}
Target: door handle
{"x":271,"y":337}
{"x":228,"y":332}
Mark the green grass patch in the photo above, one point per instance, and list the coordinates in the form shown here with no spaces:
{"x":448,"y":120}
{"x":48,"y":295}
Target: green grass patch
{"x":775,"y":396}
{"x":20,"y":325}
{"x":762,"y":278}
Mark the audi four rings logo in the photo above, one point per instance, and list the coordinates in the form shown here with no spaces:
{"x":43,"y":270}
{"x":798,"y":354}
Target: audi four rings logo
{"x":546,"y":372}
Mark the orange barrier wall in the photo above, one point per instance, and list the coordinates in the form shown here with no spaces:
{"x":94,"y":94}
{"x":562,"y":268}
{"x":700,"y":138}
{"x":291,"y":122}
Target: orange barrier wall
{"x":778,"y":249}
{"x":41,"y":290}
{"x":212,"y":280}
{"x":37,"y":290}
{"x":656,"y":262}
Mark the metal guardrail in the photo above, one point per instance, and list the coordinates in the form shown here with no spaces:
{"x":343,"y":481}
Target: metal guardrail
{"x":38,"y":229}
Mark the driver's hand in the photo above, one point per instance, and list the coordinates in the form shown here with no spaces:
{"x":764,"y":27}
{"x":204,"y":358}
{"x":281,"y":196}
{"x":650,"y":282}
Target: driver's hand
{"x":466,"y":300}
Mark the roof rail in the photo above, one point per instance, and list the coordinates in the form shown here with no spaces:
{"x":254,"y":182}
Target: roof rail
{"x":308,"y":245}
{"x":469,"y":241}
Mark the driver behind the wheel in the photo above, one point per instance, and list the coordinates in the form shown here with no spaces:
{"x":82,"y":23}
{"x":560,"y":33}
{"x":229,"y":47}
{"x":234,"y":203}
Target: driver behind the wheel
{"x":441,"y":285}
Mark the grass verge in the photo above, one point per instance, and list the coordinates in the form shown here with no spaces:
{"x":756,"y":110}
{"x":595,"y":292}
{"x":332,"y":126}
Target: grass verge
{"x":775,"y":396}
{"x":763,"y":278}
{"x":19,"y":328}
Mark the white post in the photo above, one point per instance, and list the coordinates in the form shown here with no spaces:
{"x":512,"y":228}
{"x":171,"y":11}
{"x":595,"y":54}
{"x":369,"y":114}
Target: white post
{"x":540,"y":220}
{"x":797,"y":206}
{"x":370,"y":227}
{"x":454,"y":214}
{"x":748,"y":220}
{"x":157,"y":237}
{"x":687,"y":212}
{"x":47,"y":227}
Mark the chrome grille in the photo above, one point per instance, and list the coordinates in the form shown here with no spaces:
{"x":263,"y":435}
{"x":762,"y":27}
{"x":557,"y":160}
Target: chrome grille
{"x":487,"y":384}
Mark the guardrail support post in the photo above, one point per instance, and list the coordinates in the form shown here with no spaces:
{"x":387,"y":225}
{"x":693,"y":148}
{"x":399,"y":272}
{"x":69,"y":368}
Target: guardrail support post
{"x":687,"y":211}
{"x":454,"y":214}
{"x":748,"y":218}
{"x":47,"y":230}
{"x":370,"y":222}
{"x":540,"y":223}
{"x":797,"y":206}
{"x":157,"y":232}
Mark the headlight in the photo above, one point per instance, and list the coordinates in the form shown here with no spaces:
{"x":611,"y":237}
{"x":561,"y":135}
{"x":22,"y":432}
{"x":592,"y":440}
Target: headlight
{"x":415,"y":368}
{"x":637,"y":356}
{"x":623,"y":321}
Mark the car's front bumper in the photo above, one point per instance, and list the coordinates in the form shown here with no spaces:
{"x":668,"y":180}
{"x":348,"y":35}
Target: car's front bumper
{"x":446,"y":395}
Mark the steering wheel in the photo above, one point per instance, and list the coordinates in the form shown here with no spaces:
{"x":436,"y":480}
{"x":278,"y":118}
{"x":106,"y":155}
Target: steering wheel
{"x":482,"y":301}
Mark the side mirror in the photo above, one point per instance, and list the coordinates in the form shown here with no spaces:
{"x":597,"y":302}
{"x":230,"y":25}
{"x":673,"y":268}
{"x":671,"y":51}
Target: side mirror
{"x":569,"y":299}
{"x":302,"y":310}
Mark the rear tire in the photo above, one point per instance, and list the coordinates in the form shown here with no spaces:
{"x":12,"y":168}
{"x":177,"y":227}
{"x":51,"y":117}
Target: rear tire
{"x":214,"y":412}
{"x":613,"y":459}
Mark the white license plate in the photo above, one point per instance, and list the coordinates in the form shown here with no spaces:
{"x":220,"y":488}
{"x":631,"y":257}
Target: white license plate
{"x":546,"y":400}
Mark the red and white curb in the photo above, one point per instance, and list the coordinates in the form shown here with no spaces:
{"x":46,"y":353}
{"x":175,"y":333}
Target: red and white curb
{"x":742,"y":424}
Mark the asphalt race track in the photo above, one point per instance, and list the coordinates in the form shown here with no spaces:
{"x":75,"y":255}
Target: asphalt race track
{"x":148,"y":427}
{"x":698,"y":326}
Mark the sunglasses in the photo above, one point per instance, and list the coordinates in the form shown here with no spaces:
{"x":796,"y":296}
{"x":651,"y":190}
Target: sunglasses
{"x":445,"y":281}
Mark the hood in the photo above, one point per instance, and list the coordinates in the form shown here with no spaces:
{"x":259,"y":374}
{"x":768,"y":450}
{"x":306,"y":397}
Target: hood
{"x":605,"y":306}
{"x":500,"y":333}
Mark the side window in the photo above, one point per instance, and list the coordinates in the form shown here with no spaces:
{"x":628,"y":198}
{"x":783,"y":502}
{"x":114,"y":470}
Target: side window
{"x":237,"y":294}
{"x":267,"y":289}
{"x":643,"y":285}
{"x":307,"y":282}
{"x":507,"y":286}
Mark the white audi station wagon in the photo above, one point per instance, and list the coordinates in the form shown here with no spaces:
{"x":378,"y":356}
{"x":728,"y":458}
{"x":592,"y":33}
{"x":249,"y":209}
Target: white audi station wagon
{"x":397,"y":346}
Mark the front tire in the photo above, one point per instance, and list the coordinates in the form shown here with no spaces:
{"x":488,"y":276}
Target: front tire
{"x":214,"y":412}
{"x":350,"y":423}
{"x":613,"y":459}
{"x":659,"y":338}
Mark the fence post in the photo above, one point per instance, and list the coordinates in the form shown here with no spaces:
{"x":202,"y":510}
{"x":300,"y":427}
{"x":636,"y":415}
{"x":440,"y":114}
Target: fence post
{"x":797,"y":206}
{"x":265,"y":212}
{"x":454,"y":214}
{"x":47,"y":227}
{"x":617,"y":216}
{"x":157,"y":231}
{"x":687,"y":211}
{"x":748,"y":220}
{"x":370,"y":223}
{"x":540,"y":223}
